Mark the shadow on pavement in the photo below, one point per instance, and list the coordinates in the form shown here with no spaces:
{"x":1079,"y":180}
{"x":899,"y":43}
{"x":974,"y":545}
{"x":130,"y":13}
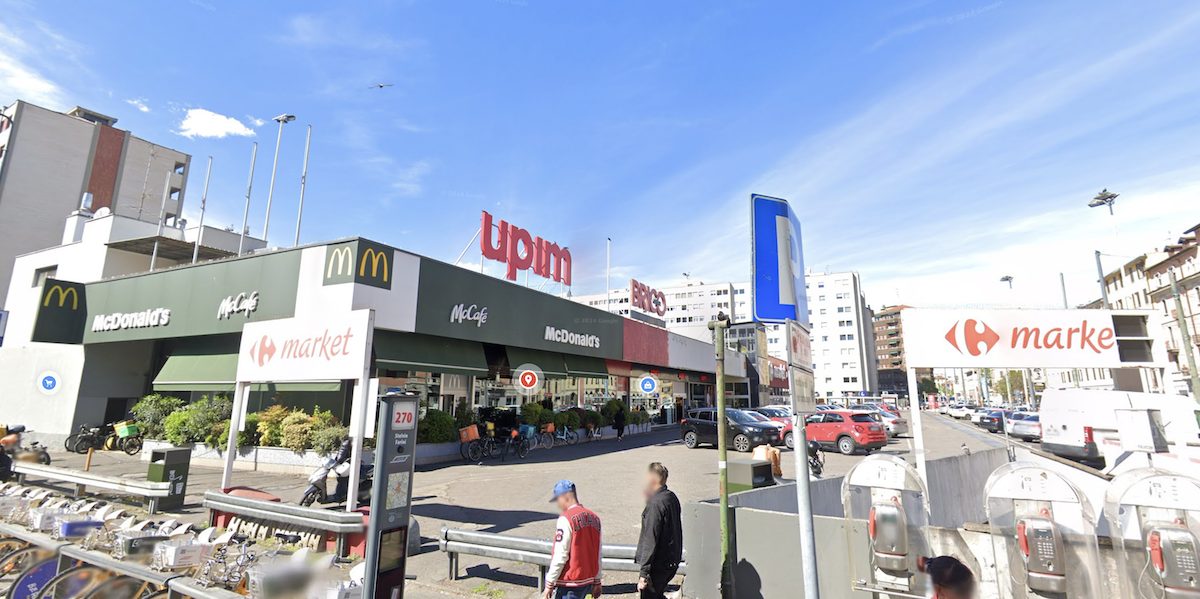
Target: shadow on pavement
{"x":496,"y":520}
{"x":583,"y":449}
{"x":487,"y":572}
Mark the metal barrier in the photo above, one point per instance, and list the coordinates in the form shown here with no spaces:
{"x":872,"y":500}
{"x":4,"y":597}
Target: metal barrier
{"x":339,"y":523}
{"x":152,"y":492}
{"x":454,"y":542}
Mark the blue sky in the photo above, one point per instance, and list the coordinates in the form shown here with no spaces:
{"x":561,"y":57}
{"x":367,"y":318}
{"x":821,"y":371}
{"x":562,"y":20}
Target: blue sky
{"x":931,"y":146}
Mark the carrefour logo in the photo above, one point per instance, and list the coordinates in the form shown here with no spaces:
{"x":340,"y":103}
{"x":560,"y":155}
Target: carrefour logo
{"x":976,"y":338}
{"x":974,"y":335}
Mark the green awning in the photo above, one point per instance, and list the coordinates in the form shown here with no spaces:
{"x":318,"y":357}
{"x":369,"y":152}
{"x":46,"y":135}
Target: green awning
{"x":551,"y":363}
{"x":585,"y":366}
{"x":216,"y":373}
{"x":202,"y":372}
{"x":425,"y":353}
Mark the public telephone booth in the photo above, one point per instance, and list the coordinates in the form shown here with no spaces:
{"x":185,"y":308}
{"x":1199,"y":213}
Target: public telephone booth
{"x":1043,"y":534}
{"x":886,"y":494}
{"x":1154,"y":521}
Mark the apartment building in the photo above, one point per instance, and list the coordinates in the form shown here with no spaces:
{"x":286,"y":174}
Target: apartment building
{"x":1180,"y":257}
{"x":689,"y":308}
{"x":53,"y":163}
{"x":889,"y":351}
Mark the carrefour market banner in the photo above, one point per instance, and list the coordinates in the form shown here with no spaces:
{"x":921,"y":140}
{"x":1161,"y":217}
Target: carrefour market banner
{"x":459,"y":303}
{"x":1026,"y":338}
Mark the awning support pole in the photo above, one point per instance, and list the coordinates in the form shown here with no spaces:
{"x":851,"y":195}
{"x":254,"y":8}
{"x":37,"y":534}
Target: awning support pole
{"x":359,"y":408}
{"x":236,"y":418}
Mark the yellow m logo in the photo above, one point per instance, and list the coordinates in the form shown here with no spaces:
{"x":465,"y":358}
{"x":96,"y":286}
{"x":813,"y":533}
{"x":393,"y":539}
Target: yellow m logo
{"x":377,"y":258}
{"x":63,"y":294}
{"x":343,"y":258}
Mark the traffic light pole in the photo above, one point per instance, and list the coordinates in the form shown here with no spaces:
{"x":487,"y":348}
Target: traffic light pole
{"x":718,"y":328}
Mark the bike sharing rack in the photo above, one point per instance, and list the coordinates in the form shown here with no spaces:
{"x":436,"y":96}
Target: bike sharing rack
{"x":1043,"y":534}
{"x":887,"y":493}
{"x":1154,"y":519}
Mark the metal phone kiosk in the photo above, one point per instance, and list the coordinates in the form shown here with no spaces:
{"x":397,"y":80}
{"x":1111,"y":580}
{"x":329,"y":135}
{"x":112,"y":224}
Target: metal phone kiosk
{"x":1043,"y":533}
{"x":391,"y":497}
{"x":1154,"y":519}
{"x":887,"y":493}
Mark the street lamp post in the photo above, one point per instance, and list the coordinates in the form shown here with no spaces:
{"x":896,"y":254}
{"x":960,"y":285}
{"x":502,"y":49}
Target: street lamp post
{"x":718,"y":327}
{"x":1104,"y":198}
{"x":1007,"y":279}
{"x":281,"y":119}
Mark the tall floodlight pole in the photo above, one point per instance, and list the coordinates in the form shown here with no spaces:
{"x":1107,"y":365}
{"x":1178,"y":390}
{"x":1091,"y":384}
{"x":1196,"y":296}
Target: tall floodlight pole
{"x":718,"y":327}
{"x":1104,"y":198}
{"x":249,"y":187}
{"x":281,"y":119}
{"x":162,"y":217}
{"x":1103,"y":283}
{"x":607,"y":274}
{"x":1185,"y":336}
{"x":203,"y":202}
{"x":303,"y":181}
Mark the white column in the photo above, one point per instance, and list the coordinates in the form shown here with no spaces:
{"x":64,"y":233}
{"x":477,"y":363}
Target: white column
{"x":359,"y":406}
{"x":236,"y":420}
{"x":917,"y":432}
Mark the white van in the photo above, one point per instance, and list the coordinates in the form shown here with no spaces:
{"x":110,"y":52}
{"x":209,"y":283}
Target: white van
{"x":1078,"y":423}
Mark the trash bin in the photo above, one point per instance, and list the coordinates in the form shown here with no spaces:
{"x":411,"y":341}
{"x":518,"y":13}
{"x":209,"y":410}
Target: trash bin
{"x":746,"y":474}
{"x":170,"y":466}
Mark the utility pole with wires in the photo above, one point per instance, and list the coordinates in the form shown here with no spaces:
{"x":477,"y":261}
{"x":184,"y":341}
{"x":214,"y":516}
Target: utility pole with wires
{"x":1185,"y":337}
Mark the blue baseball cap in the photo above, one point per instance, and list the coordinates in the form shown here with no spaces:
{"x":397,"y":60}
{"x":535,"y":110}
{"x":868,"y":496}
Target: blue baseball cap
{"x":561,"y":487}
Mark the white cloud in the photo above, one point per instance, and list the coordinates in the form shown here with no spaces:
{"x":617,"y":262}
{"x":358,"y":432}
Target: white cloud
{"x":199,"y":122}
{"x":20,"y":78}
{"x":253,"y":120}
{"x":408,"y":181}
{"x":138,"y":103}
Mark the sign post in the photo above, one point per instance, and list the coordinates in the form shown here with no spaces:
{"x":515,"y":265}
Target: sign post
{"x":391,"y":497}
{"x":777,"y":267}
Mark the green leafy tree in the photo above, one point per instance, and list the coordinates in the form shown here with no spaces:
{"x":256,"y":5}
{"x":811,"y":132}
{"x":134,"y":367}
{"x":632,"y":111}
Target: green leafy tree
{"x":151,"y":412}
{"x":926,"y":386}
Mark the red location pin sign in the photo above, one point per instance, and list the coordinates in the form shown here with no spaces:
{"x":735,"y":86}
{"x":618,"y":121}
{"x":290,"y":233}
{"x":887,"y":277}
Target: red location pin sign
{"x":528,"y":380}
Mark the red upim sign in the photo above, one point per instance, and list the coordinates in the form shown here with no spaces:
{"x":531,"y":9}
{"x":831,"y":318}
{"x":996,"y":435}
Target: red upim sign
{"x":518,"y":249}
{"x":641,"y":296}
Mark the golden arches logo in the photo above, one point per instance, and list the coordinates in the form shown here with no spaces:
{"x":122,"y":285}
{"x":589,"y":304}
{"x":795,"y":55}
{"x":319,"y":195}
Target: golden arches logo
{"x":377,"y":258}
{"x":63,"y":294}
{"x":344,"y":259}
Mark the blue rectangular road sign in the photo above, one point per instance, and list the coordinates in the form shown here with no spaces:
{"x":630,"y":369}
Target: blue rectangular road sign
{"x":777,"y":261}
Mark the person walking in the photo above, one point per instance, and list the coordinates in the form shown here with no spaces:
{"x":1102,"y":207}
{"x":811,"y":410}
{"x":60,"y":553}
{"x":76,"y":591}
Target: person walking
{"x":575,"y":565}
{"x":660,"y":546}
{"x":951,"y":578}
{"x":619,"y":422}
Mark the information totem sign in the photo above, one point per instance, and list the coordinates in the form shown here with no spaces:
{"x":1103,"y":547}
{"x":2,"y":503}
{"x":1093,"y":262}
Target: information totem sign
{"x":391,"y":496}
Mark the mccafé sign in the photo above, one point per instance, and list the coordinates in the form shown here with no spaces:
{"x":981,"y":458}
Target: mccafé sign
{"x":642,"y":297}
{"x":1021,"y":338}
{"x":518,"y":249}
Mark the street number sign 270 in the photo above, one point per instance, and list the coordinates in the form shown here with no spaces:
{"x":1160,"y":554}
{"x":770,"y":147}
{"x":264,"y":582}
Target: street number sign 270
{"x":404,"y":415}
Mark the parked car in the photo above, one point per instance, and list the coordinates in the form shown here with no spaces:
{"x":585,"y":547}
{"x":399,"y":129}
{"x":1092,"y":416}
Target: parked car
{"x":1027,"y":428}
{"x":823,"y":407}
{"x":894,"y":424}
{"x":784,"y":417}
{"x":886,"y":407}
{"x":1012,"y":419}
{"x":993,"y":422}
{"x":959,"y":411}
{"x":745,"y":431}
{"x":978,"y":413}
{"x":847,"y":431}
{"x":1077,"y":423}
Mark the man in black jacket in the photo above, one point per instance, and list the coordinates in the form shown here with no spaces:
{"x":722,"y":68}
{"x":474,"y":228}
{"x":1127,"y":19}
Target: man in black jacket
{"x":660,"y":547}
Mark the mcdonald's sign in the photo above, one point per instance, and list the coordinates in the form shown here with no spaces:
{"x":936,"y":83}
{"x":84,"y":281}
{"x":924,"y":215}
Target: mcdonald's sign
{"x":359,"y":261}
{"x":61,"y":313}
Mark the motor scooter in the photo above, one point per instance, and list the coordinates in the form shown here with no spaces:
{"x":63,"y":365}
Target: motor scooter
{"x":10,"y":440}
{"x":816,"y":459}
{"x":339,"y":464}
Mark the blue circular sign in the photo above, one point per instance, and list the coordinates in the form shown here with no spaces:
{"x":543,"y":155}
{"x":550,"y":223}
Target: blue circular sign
{"x":648,"y":384}
{"x":48,"y":382}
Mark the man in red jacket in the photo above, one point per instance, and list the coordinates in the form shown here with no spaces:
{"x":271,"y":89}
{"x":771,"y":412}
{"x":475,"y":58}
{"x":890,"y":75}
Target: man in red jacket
{"x":575,"y":566}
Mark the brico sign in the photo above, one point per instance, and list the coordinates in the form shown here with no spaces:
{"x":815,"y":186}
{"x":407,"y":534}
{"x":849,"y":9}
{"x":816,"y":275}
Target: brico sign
{"x":1014,"y":338}
{"x":519,"y":250}
{"x":642,"y":297}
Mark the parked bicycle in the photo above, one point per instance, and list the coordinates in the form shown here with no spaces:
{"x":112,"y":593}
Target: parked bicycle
{"x":566,"y":436}
{"x":88,"y":437}
{"x":126,"y":436}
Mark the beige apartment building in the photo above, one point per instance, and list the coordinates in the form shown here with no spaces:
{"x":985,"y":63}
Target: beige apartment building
{"x":53,"y":163}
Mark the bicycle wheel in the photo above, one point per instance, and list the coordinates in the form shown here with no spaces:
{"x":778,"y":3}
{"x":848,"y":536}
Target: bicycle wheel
{"x":474,"y":451}
{"x":69,"y":443}
{"x":131,"y":445}
{"x":572,"y":438}
{"x":522,"y":448}
{"x":82,"y":444}
{"x":72,"y":582}
{"x":493,"y":448}
{"x":112,"y":442}
{"x":547,"y":440}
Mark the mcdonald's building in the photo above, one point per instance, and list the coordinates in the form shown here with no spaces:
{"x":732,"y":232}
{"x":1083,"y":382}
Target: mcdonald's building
{"x":85,"y":351}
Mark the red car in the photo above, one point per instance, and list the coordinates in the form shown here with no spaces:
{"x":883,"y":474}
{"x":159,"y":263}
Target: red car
{"x":783,"y":417}
{"x":846,"y":431}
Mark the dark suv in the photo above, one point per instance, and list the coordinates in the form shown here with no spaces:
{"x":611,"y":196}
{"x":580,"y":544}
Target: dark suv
{"x":746,"y":431}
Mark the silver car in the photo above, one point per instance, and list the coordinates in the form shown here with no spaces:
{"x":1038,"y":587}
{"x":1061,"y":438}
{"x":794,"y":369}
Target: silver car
{"x":894,"y":424}
{"x":1028,"y":428}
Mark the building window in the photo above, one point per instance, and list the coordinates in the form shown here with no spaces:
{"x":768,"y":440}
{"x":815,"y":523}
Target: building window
{"x":40,"y":275}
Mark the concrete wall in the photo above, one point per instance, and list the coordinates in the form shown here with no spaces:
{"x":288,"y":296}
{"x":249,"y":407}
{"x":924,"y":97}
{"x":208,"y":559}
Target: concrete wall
{"x":140,"y":196}
{"x":21,"y":369}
